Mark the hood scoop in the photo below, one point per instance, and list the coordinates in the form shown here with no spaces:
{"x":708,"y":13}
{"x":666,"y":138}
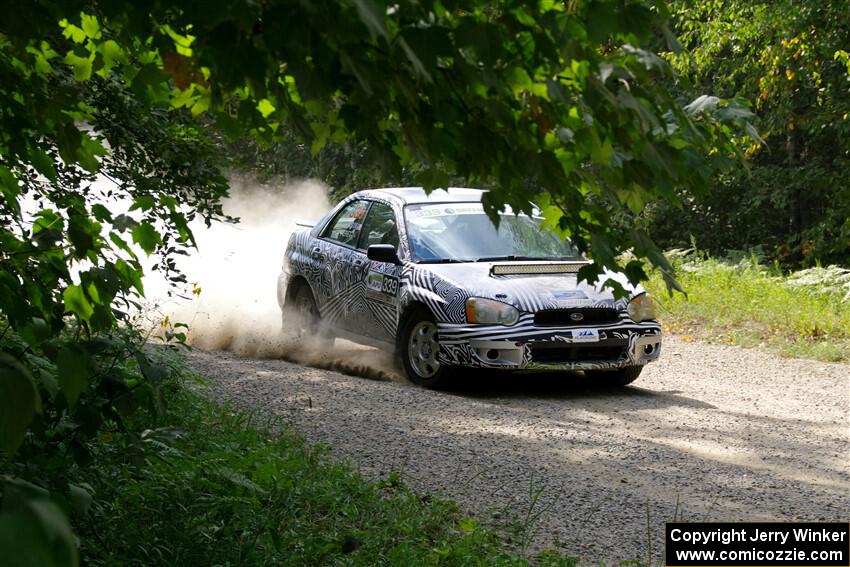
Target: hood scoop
{"x":536,"y":269}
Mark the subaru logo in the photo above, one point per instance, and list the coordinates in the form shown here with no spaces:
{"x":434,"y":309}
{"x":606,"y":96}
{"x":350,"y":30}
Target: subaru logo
{"x":576,"y":316}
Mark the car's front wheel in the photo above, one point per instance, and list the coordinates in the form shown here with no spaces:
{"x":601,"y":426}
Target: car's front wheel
{"x":419,"y":351}
{"x":618,"y":377}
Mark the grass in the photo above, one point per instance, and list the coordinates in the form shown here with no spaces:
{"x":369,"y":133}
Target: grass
{"x":805,"y":314}
{"x":218,"y":487}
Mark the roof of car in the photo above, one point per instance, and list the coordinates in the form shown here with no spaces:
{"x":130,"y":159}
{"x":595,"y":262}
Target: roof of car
{"x":410,"y":195}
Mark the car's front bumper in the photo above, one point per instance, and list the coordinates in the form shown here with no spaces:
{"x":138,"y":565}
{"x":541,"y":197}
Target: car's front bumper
{"x":528,"y":347}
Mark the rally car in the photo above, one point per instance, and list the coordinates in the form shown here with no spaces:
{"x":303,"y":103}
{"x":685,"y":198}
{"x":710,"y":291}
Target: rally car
{"x":432,"y":279}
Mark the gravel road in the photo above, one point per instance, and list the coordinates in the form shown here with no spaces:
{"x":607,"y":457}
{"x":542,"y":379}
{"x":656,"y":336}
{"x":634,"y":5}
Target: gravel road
{"x":708,"y":432}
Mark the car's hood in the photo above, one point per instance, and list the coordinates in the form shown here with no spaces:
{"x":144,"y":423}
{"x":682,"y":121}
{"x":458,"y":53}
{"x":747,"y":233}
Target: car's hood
{"x":530,"y":292}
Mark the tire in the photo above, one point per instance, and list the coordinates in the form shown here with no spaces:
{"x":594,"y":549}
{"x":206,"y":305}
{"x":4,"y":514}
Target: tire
{"x":300,"y":319}
{"x":418,"y":350}
{"x":614,"y":378}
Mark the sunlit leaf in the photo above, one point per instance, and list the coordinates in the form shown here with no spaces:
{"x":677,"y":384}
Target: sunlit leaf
{"x":265,"y":107}
{"x":76,"y":302}
{"x":82,"y":65}
{"x":90,"y":26}
{"x":112,"y":53}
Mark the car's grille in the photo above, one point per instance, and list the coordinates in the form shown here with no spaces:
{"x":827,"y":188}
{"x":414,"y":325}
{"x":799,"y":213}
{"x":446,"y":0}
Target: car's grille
{"x":564,"y":317}
{"x":556,"y":351}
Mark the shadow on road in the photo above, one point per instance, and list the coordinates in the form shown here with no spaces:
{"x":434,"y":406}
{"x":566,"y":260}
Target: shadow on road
{"x":483,"y":385}
{"x":373,"y":364}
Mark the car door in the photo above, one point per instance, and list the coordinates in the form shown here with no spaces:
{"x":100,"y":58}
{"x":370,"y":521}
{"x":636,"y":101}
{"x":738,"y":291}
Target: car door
{"x":380,"y":291}
{"x":344,"y":267}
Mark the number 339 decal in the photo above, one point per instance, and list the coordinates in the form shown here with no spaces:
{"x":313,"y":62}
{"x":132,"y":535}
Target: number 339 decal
{"x":390,"y":286}
{"x":381,"y":286}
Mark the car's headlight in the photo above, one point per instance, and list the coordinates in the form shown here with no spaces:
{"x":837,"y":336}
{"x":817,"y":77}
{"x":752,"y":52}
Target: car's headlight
{"x":480,"y":310}
{"x":641,"y":308}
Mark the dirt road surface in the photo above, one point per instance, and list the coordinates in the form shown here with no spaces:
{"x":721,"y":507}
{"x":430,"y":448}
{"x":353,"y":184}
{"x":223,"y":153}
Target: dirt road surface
{"x":707,"y":433}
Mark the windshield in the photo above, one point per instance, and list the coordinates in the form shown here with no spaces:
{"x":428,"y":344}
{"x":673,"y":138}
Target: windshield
{"x":461,"y":232}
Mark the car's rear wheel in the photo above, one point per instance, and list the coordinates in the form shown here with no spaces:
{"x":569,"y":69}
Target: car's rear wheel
{"x":301,"y":320}
{"x":419,"y":351}
{"x":614,"y":378}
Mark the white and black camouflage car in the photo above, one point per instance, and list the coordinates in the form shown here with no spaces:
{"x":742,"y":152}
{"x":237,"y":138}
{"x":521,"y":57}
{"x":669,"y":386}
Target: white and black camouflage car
{"x":430,"y":278}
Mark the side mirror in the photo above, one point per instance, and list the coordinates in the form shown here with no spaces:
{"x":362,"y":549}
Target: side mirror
{"x":383,"y":253}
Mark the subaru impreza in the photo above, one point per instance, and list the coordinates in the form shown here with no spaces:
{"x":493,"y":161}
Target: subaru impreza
{"x":429,"y":277}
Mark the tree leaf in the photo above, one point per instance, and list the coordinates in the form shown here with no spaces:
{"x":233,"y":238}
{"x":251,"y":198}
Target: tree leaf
{"x":602,"y":153}
{"x":90,"y":26}
{"x":55,"y":525}
{"x":43,"y":163}
{"x":35,"y":532}
{"x":112,"y":53}
{"x":19,"y":402}
{"x":89,"y":150}
{"x":83,"y":233}
{"x":101,"y":213}
{"x":76,"y":302}
{"x":82,"y":65}
{"x":265,"y":107}
{"x":130,"y":275}
{"x":123,"y":222}
{"x":47,"y":228}
{"x":72,"y":32}
{"x":146,"y":236}
{"x":68,"y":139}
{"x":9,"y":185}
{"x":74,"y":366}
{"x":144,"y":202}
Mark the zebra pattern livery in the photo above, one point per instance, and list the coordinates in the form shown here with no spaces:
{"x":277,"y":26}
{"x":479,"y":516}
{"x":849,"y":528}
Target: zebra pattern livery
{"x":370,"y":299}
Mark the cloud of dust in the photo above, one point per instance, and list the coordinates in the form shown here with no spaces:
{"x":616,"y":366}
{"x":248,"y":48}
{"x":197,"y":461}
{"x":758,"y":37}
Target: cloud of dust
{"x":235,"y":269}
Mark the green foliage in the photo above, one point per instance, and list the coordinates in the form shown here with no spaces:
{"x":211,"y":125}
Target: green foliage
{"x":33,"y":529}
{"x":22,"y":402}
{"x":563,"y":98}
{"x":832,"y":280}
{"x":70,"y":365}
{"x":60,"y":399}
{"x":789,"y":58}
{"x":218,"y":487}
{"x":740,"y":301}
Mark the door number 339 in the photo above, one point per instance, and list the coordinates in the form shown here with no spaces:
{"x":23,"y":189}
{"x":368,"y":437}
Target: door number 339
{"x":389,"y":285}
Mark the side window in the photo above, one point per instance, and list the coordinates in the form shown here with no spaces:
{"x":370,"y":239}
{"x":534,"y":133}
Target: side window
{"x":380,"y":227}
{"x":346,"y":226}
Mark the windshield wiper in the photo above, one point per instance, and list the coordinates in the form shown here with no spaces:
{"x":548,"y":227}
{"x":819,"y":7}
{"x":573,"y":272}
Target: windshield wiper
{"x":514,"y":258}
{"x":446,"y":261}
{"x":509,"y":258}
{"x":497,"y":258}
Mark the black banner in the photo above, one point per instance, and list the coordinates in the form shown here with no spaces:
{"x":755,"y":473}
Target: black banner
{"x":757,"y":544}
